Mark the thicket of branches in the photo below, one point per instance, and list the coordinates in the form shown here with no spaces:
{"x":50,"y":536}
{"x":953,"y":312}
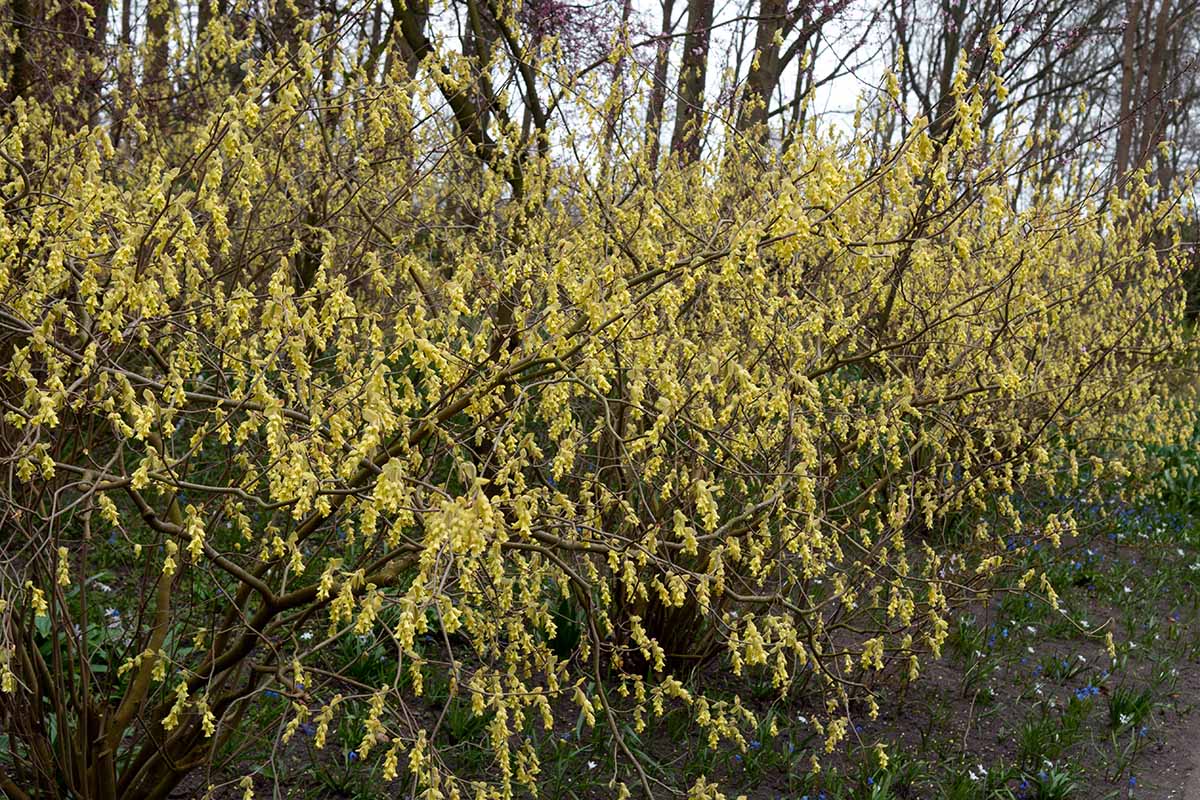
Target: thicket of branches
{"x":400,"y":322}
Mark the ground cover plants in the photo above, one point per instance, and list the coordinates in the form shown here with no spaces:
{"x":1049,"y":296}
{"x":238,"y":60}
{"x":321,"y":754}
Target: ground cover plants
{"x":366,"y":440}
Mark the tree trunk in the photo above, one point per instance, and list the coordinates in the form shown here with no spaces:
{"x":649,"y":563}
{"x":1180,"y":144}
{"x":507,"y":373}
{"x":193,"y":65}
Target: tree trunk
{"x":693,"y":71}
{"x":37,"y":66}
{"x":156,"y":83}
{"x":658,"y":91}
{"x":1129,"y":81}
{"x":955,"y":15}
{"x":19,"y":70}
{"x":1154,"y":109}
{"x":764,"y":68}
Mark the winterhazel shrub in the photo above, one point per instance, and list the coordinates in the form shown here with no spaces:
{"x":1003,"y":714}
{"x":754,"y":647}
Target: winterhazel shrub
{"x":312,"y":363}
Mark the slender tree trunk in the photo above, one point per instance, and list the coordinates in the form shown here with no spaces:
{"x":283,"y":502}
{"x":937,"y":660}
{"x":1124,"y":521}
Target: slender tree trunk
{"x":95,"y":83}
{"x":374,"y":42}
{"x":658,"y":91}
{"x":37,"y":67}
{"x":1175,"y":105}
{"x":399,"y":46}
{"x":954,"y":15}
{"x":124,"y":79}
{"x":479,"y":45}
{"x":765,"y":66}
{"x":204,"y":17}
{"x":156,"y":83}
{"x":19,"y":70}
{"x":693,"y":72}
{"x":1154,"y":108}
{"x":1129,"y":82}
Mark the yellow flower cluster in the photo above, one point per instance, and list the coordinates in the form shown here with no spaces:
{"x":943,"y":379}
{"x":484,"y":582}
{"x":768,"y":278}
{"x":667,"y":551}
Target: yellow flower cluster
{"x":775,"y":413}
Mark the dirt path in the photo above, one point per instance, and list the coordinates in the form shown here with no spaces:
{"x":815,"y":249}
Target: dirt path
{"x":1190,"y":785}
{"x":1175,"y":766}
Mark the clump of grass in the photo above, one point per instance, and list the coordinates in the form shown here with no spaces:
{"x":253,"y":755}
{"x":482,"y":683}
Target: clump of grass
{"x":1129,"y":707}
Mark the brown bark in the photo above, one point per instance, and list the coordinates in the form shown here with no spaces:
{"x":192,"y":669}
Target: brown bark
{"x":18,"y":69}
{"x":693,"y":72}
{"x":951,"y":47}
{"x":156,"y":82}
{"x":765,"y":67}
{"x":35,"y":67}
{"x":1129,"y":90}
{"x":398,"y":46}
{"x":157,"y":43}
{"x":1154,"y":67}
{"x":658,"y":90}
